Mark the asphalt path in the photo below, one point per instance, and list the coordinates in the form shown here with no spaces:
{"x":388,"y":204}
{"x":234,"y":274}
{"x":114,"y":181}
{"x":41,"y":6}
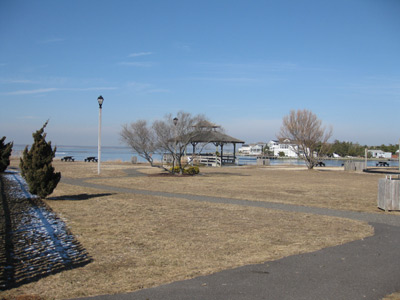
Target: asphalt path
{"x":363,"y":269}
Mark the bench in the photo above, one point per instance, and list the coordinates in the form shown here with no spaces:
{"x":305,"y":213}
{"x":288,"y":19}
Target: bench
{"x":320,"y":164}
{"x":67,"y":158}
{"x":382,"y":164}
{"x":91,"y":158}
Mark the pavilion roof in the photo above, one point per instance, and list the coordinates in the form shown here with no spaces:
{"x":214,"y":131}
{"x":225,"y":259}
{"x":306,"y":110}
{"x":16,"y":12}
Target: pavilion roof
{"x":211,"y":136}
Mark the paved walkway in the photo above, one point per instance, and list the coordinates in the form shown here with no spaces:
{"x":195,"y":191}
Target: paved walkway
{"x":364,"y":269}
{"x":361,"y":216}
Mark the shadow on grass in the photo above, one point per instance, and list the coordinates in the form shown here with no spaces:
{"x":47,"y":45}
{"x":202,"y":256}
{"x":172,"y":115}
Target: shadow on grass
{"x":79,"y":197}
{"x":386,"y":171}
{"x":227,"y":174}
{"x":34,"y":241}
{"x":209,"y":174}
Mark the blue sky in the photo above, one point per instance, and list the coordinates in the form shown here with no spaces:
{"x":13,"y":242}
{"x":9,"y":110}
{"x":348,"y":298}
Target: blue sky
{"x":244,"y":64}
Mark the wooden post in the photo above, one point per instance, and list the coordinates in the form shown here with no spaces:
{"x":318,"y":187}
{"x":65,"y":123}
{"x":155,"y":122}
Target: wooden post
{"x":366,"y":157}
{"x":222,"y":153}
{"x":234,"y":153}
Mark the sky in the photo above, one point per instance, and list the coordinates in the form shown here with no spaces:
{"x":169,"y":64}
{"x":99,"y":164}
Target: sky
{"x":243,"y":64}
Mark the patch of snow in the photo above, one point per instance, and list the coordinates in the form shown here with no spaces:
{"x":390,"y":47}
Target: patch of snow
{"x":43,"y":239}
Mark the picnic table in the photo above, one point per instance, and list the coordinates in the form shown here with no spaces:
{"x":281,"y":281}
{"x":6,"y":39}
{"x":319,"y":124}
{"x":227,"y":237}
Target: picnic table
{"x":382,"y":164}
{"x":91,"y":158}
{"x":320,"y":164}
{"x":67,"y":158}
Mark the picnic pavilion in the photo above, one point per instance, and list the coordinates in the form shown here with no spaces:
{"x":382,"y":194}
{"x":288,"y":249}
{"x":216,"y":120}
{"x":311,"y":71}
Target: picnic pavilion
{"x":207,"y":134}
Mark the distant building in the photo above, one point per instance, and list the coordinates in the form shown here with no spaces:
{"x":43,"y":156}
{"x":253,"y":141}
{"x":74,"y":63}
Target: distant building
{"x":380,"y":154}
{"x":285,"y":147}
{"x":252,"y":149}
{"x":257,"y":149}
{"x":245,"y":149}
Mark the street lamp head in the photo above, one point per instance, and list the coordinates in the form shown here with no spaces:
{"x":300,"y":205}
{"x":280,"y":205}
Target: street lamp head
{"x":175,"y":121}
{"x":100,"y":99}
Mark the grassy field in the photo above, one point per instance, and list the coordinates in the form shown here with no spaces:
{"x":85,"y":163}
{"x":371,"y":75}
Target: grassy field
{"x":140,"y":241}
{"x":330,"y":188}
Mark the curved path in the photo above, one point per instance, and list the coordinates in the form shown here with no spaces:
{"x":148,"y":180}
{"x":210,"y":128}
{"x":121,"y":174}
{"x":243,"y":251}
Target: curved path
{"x":364,"y":269}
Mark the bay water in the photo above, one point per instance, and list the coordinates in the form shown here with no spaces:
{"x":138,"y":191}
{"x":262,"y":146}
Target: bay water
{"x":125,"y":154}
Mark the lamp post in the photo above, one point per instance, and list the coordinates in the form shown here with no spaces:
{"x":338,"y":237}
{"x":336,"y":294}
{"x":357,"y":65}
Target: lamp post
{"x":100,"y":99}
{"x":175,"y":120}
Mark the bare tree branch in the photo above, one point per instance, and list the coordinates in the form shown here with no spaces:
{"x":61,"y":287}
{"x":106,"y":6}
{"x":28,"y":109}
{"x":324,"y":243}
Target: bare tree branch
{"x":303,"y":128}
{"x":140,"y":138}
{"x":164,"y":137}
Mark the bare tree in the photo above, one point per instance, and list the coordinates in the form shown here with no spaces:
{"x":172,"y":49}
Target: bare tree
{"x":175,"y":134}
{"x":303,"y":128}
{"x":140,"y":138}
{"x":171,"y":136}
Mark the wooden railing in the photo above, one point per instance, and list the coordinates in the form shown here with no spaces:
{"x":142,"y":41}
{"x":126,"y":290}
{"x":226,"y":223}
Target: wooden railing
{"x":208,"y":160}
{"x":202,"y":159}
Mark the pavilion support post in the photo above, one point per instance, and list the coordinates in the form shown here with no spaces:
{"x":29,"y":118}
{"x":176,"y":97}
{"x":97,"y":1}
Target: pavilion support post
{"x":194,"y":151}
{"x":234,"y":153}
{"x":222,"y":153}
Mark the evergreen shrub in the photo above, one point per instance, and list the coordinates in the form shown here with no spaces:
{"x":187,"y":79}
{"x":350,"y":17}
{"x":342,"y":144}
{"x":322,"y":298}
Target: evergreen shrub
{"x":5,"y":153}
{"x":36,"y":165}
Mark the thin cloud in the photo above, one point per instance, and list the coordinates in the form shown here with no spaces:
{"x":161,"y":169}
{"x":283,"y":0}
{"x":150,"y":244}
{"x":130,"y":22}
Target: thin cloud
{"x":182,"y":46}
{"x":49,"y":90}
{"x":90,"y":89}
{"x":140,"y":54}
{"x":153,"y":91}
{"x":30,"y":92}
{"x":264,"y":79}
{"x":246,"y":67}
{"x":16,"y":81}
{"x":243,"y":72}
{"x":145,"y":64}
{"x":138,"y":86}
{"x":226,"y":79}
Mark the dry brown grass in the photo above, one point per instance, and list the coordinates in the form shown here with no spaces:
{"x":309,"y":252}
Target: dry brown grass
{"x":140,"y":241}
{"x":330,"y":188}
{"x":394,"y":296}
